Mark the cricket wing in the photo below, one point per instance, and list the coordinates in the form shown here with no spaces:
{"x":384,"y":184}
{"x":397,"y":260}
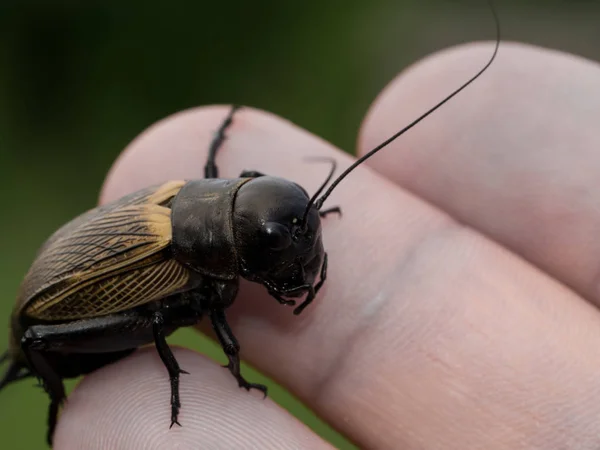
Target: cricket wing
{"x":121,"y":237}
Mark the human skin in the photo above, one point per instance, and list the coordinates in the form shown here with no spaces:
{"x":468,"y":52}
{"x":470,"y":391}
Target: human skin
{"x":459,"y":308}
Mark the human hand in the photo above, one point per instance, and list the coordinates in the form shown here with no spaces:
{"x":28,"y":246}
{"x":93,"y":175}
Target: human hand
{"x":427,"y":334}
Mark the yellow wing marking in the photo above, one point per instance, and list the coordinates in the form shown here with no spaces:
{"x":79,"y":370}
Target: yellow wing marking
{"x":114,"y":293}
{"x":165,"y":192}
{"x":103,"y":241}
{"x":154,"y":195}
{"x":104,"y":244}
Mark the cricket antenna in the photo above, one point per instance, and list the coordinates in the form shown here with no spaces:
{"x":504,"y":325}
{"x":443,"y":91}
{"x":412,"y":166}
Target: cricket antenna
{"x":319,"y":203}
{"x":302,"y":228}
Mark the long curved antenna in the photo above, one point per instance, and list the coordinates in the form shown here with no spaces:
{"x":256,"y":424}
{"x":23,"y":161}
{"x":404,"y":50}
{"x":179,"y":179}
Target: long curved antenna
{"x":319,"y":203}
{"x":323,"y":185}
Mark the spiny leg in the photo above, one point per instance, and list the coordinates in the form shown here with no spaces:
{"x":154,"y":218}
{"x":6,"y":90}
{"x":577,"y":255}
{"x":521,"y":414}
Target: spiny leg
{"x":332,"y":210}
{"x":33,"y":348}
{"x":210,"y":169}
{"x":15,"y":372}
{"x":38,"y":343}
{"x":117,"y":335}
{"x":168,"y":359}
{"x":231,"y":348}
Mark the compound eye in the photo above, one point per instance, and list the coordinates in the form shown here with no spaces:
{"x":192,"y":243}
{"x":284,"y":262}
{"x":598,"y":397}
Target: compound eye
{"x":277,"y":236}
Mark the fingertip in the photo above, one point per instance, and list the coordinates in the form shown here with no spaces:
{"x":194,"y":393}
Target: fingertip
{"x":429,"y":80}
{"x":509,"y":156}
{"x":126,"y":406}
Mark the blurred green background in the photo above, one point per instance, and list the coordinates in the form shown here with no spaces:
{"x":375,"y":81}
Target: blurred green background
{"x":77,"y":83}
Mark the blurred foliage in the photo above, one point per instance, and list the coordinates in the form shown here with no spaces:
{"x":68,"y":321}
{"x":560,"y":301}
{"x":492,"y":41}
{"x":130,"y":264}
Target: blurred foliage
{"x":78,"y":82}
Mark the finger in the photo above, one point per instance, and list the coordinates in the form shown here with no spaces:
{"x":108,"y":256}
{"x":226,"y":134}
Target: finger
{"x":515,"y":155}
{"x":426,"y":335}
{"x":126,"y":406}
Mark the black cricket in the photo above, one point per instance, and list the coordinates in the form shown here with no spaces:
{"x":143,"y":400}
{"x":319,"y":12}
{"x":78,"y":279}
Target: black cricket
{"x":262,"y":228}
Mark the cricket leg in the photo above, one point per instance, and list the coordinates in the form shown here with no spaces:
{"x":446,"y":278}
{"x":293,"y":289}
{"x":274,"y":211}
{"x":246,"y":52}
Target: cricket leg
{"x":168,"y":359}
{"x":33,"y":348}
{"x":231,"y":349}
{"x":210,"y":169}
